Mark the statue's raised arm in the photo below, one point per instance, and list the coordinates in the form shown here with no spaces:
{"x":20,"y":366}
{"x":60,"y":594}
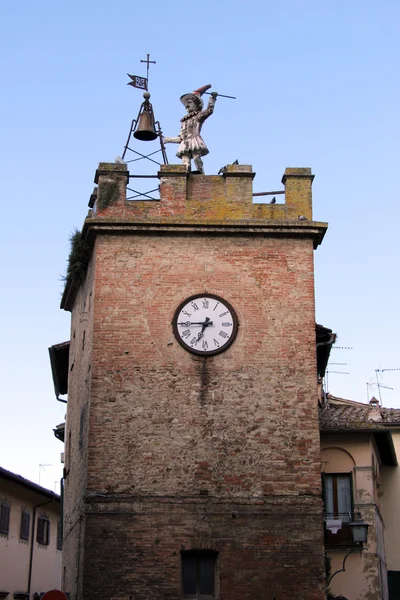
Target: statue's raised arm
{"x":191,"y":144}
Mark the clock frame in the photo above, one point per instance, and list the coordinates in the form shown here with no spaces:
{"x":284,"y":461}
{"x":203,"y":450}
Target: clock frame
{"x":205,"y":324}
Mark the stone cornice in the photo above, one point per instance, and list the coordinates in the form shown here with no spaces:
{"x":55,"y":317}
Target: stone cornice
{"x":255,"y":227}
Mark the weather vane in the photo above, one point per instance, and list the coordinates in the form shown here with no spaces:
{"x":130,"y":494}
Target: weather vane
{"x":145,"y":128}
{"x":142,"y":82}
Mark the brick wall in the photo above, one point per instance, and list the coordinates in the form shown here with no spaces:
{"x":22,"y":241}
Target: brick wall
{"x":266,"y":549}
{"x":76,"y":436}
{"x":220,"y":419}
{"x":178,"y":444}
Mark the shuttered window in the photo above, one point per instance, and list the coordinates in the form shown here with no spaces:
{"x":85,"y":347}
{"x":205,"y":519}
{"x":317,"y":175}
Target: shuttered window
{"x":25,"y":525}
{"x":59,"y":536}
{"x":43,"y":531}
{"x":4,"y":518}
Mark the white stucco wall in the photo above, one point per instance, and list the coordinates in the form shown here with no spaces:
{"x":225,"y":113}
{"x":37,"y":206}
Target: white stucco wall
{"x":15,"y":553}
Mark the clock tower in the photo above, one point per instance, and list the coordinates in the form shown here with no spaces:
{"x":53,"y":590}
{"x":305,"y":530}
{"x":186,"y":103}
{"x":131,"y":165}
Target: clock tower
{"x":192,"y":440}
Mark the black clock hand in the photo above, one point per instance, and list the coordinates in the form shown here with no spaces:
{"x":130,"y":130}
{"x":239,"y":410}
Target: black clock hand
{"x":189,"y":323}
{"x":206,"y":323}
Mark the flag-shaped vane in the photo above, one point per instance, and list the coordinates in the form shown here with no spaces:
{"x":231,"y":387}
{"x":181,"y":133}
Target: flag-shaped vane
{"x":138,"y":82}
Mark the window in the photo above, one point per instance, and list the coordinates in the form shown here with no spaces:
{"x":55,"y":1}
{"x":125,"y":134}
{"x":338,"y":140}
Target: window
{"x":4,"y":518}
{"x":198,"y":573}
{"x":338,"y":497}
{"x":25,"y":525}
{"x":43,"y":531}
{"x":338,"y":501}
{"x":59,"y":535}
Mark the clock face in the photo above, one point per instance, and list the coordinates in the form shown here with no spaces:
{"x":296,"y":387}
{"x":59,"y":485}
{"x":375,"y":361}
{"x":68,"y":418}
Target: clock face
{"x":205,"y":324}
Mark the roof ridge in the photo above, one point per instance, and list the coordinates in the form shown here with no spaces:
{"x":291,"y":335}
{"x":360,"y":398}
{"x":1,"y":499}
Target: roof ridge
{"x":27,"y":483}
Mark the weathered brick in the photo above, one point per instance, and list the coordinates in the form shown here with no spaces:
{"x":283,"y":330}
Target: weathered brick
{"x":169,"y":451}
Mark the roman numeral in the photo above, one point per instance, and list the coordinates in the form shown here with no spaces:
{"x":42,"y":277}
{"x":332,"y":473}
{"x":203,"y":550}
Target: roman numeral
{"x":216,"y":344}
{"x":185,"y":334}
{"x":205,"y":345}
{"x":223,"y":334}
{"x":226,"y":324}
{"x":215,"y":306}
{"x":205,"y":303}
{"x":224,"y":313}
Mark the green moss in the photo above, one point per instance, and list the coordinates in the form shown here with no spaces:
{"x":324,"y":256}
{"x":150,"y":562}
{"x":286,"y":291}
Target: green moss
{"x":107,"y":194}
{"x":78,"y":258}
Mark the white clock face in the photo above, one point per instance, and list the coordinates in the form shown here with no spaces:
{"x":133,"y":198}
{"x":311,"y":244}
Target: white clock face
{"x":205,"y":324}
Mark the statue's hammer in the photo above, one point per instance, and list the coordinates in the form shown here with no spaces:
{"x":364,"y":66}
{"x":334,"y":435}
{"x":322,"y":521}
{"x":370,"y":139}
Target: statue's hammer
{"x":221,"y":95}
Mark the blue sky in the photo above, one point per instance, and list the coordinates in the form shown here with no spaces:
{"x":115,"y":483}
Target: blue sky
{"x":317,"y":85}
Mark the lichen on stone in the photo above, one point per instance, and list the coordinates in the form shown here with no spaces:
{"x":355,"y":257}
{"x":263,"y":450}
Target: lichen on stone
{"x":107,"y":194}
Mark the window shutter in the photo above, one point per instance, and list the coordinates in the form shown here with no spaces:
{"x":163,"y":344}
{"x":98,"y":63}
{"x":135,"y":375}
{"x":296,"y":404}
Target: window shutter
{"x":189,"y":575}
{"x":59,"y":536}
{"x":4,"y":518}
{"x":40,"y":531}
{"x":199,"y":574}
{"x":207,"y":574}
{"x":25,"y":525}
{"x":43,"y":531}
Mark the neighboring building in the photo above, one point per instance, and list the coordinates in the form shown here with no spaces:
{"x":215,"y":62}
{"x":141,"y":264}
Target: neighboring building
{"x":30,"y":538}
{"x":361,"y":479}
{"x":192,"y":458}
{"x":390,"y":501}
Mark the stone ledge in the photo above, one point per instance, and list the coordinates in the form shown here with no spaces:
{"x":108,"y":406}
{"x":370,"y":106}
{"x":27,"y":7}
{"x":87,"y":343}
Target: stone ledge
{"x":310,"y":229}
{"x":173,"y":171}
{"x":111,"y":169}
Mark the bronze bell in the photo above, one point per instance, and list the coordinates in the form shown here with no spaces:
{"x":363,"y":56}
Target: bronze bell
{"x":145,"y":130}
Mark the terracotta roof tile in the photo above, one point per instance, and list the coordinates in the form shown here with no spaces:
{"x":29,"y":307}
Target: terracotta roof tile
{"x":340,"y":414}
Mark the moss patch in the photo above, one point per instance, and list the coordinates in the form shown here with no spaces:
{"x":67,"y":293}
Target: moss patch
{"x":107,"y":194}
{"x":78,"y":258}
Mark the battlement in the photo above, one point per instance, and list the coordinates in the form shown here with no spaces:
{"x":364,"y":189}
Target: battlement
{"x":225,"y":198}
{"x":194,"y":204}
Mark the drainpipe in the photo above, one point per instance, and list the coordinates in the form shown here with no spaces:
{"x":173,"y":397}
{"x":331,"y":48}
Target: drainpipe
{"x":32,"y":543}
{"x":332,"y":339}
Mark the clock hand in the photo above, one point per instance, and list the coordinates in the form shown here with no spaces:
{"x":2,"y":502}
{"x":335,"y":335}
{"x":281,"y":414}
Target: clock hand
{"x":205,"y":324}
{"x":189,"y":323}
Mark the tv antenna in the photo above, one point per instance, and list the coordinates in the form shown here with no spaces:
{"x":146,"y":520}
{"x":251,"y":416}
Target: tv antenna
{"x":379,"y":384}
{"x":335,"y":373}
{"x":42,"y":467}
{"x":342,"y":348}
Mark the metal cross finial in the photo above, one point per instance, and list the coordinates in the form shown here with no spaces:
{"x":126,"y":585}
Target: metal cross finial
{"x":148,"y":61}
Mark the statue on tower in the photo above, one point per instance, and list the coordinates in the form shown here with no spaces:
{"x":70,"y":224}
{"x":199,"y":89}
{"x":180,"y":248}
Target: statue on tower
{"x":191,"y":144}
